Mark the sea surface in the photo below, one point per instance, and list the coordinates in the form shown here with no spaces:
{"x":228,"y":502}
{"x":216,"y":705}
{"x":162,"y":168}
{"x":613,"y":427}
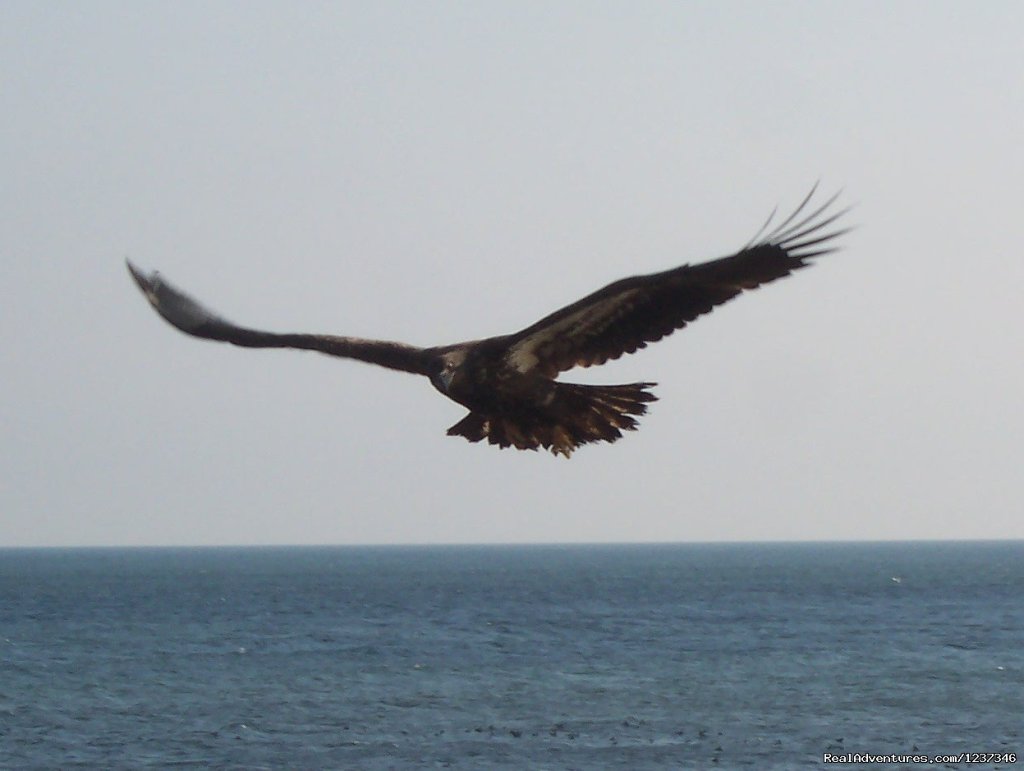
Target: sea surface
{"x":520,"y":657}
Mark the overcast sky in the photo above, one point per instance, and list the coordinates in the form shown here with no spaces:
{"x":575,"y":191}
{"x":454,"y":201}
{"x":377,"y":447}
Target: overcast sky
{"x":437,"y":172}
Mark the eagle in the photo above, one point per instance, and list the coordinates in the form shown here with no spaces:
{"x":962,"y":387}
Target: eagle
{"x":508,"y":383}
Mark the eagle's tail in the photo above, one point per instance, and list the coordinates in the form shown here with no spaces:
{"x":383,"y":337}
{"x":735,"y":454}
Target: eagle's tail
{"x":576,"y":415}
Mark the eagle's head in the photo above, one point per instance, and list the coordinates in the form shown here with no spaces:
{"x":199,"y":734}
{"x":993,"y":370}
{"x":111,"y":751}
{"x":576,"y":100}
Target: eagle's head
{"x":448,"y":370}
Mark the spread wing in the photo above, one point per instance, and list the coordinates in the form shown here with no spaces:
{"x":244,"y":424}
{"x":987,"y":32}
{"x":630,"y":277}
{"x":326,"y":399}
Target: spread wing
{"x":628,"y":314}
{"x":192,"y":318}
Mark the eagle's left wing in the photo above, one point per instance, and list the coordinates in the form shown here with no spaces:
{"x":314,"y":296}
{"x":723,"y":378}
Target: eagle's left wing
{"x":191,"y":317}
{"x":628,"y":314}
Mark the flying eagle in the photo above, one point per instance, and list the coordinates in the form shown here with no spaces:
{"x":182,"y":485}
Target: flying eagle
{"x":508,"y":382}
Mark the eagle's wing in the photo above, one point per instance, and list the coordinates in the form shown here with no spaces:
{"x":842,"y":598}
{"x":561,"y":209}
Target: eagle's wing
{"x":628,"y":314}
{"x":192,"y":318}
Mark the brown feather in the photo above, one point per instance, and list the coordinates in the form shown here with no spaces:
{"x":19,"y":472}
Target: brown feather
{"x":627,"y":315}
{"x":577,"y":415}
{"x":507,"y":382}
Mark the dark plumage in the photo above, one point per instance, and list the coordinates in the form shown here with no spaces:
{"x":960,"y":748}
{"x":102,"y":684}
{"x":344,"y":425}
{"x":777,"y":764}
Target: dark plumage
{"x":508,"y":382}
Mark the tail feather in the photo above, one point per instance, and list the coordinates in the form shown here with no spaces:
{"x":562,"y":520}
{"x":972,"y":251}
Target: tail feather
{"x":577,"y":415}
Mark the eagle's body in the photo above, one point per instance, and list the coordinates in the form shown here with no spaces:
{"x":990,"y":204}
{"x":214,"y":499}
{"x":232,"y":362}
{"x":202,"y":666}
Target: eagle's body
{"x":508,"y":382}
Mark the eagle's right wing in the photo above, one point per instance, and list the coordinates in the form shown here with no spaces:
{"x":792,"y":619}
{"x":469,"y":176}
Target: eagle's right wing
{"x":628,"y":314}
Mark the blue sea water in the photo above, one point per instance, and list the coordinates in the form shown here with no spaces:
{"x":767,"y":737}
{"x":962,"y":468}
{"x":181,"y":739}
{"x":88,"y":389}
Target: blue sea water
{"x":529,"y":657}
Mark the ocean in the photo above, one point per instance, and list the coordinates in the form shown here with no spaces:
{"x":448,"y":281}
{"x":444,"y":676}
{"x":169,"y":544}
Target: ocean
{"x":521,"y":657}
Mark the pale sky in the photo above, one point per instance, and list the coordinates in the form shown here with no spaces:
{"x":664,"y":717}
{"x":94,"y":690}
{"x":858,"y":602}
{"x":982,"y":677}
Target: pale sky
{"x":438,"y":172}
